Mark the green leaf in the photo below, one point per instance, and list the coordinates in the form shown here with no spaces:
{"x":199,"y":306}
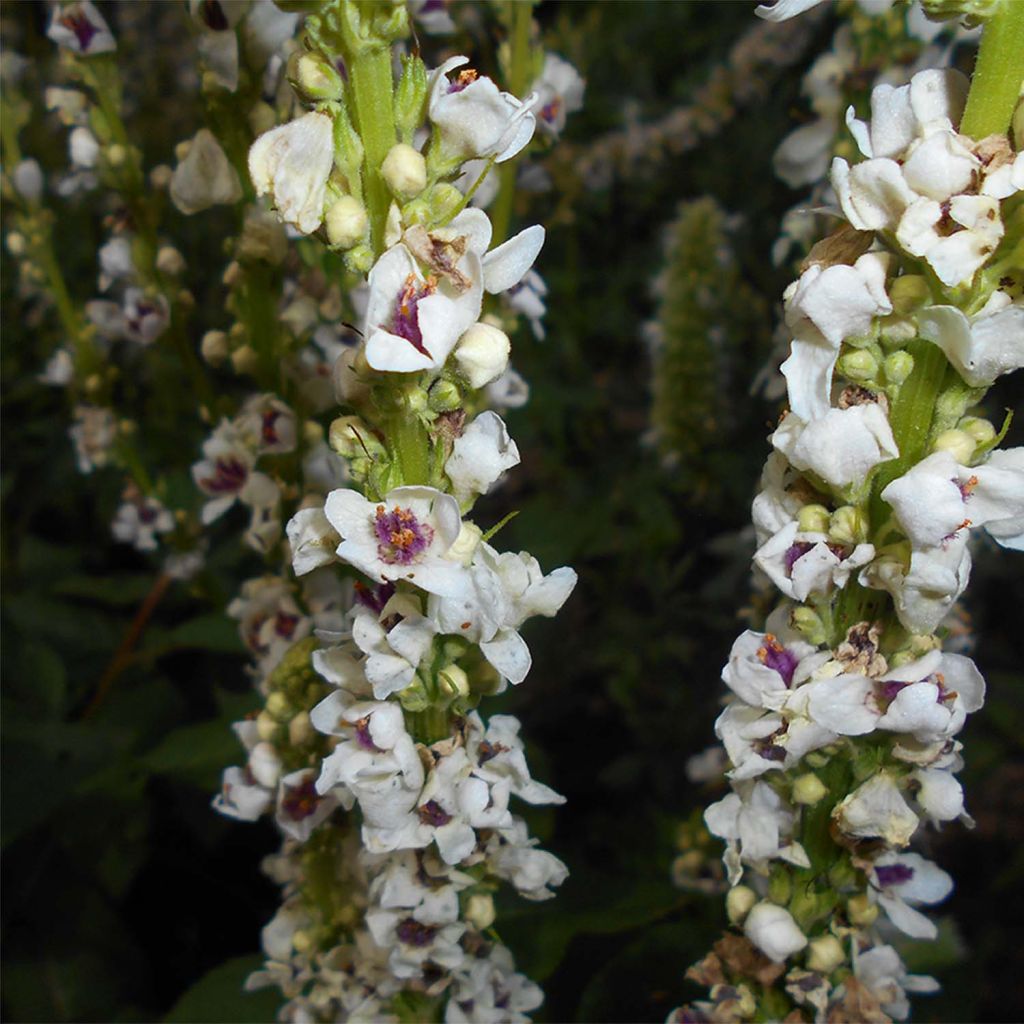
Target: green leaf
{"x":212,"y":632}
{"x":219,"y":996}
{"x":197,"y":753}
{"x":117,"y":591}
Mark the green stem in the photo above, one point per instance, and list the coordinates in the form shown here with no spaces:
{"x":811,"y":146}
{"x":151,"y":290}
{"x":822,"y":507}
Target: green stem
{"x":411,"y":446}
{"x":995,"y":86}
{"x":522,"y":20}
{"x":373,"y":96}
{"x":430,"y":725}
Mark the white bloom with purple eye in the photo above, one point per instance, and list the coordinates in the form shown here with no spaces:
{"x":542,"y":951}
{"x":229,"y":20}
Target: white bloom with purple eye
{"x":224,"y":470}
{"x":480,"y":456}
{"x":497,"y":756}
{"x":559,"y":93}
{"x":145,"y":316}
{"x":899,"y":880}
{"x":79,"y":27}
{"x":885,"y":976}
{"x":300,"y":808}
{"x":269,"y":619}
{"x":772,"y":929}
{"x":877,"y":810}
{"x":248,"y":793}
{"x":205,"y":177}
{"x":432,"y":16}
{"x":513,"y":855}
{"x":218,"y":40}
{"x":474,"y":118}
{"x":487,"y":990}
{"x":823,"y":308}
{"x":291,"y":163}
{"x":312,"y":539}
{"x":395,"y":638}
{"x":415,"y":945}
{"x":139,"y":521}
{"x":406,"y":536}
{"x":937,"y":497}
{"x":413,"y":322}
{"x":981,"y":349}
{"x":266,"y":425}
{"x":762,"y":669}
{"x":841,"y":447}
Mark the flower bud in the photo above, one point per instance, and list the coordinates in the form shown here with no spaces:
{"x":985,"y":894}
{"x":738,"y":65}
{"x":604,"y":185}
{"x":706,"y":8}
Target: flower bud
{"x":415,"y":697}
{"x":980,"y":430}
{"x":265,"y":764}
{"x":116,"y":154}
{"x":312,"y":433}
{"x":860,"y":910}
{"x":848,"y":525}
{"x":16,"y":243}
{"x":808,"y":622}
{"x":466,"y":543}
{"x":908,"y":292}
{"x":277,"y":705}
{"x":813,"y":519}
{"x":479,"y":910}
{"x":738,"y":903}
{"x":302,"y":941}
{"x":169,"y":260}
{"x":825,"y":954}
{"x":346,"y":222}
{"x":958,"y":443}
{"x":808,"y":789}
{"x":28,"y":180}
{"x":350,"y":435}
{"x":404,"y":171}
{"x":300,"y":729}
{"x":245,"y":359}
{"x":860,"y":365}
{"x":444,"y":396}
{"x":410,"y":96}
{"x":214,"y":347}
{"x":896,"y":331}
{"x":266,"y":727}
{"x":314,"y":77}
{"x":443,"y":201}
{"x":772,"y":929}
{"x":482,"y":354}
{"x":898,"y":366}
{"x":454,"y":681}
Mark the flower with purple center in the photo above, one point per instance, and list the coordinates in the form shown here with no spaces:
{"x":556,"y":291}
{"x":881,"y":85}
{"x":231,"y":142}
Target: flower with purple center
{"x":413,"y":933}
{"x":773,"y":655}
{"x":794,"y":553}
{"x":401,"y":537}
{"x":405,"y":322}
{"x":81,"y":28}
{"x":901,"y":880}
{"x":893,"y":874}
{"x":432,"y":813}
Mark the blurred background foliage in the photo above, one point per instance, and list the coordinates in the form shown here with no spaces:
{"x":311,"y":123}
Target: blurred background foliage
{"x":127,"y":898}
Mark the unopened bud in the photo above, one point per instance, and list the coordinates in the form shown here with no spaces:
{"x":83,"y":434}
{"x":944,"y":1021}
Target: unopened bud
{"x":410,"y":96}
{"x":93,"y":383}
{"x":266,"y":727}
{"x":454,"y":681}
{"x":350,"y":435}
{"x":214,"y":347}
{"x":861,"y":910}
{"x":443,"y":200}
{"x":127,"y":427}
{"x":302,"y":941}
{"x":825,"y":954}
{"x":316,"y":78}
{"x":808,"y":622}
{"x":169,"y":260}
{"x":116,"y":154}
{"x":980,"y":430}
{"x":813,"y":519}
{"x":958,"y":443}
{"x":479,"y":910}
{"x":160,"y":176}
{"x":277,"y":705}
{"x":312,"y":433}
{"x":16,"y":243}
{"x":738,"y":903}
{"x":346,"y":222}
{"x":245,"y":359}
{"x":908,"y":292}
{"x":466,"y":543}
{"x":898,"y":366}
{"x":482,"y":354}
{"x":405,"y":171}
{"x":261,"y":118}
{"x":808,"y":789}
{"x":860,"y":365}
{"x":848,"y":525}
{"x":444,"y":396}
{"x":300,"y":729}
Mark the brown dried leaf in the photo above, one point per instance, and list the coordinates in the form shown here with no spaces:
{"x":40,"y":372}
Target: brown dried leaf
{"x":741,"y":957}
{"x":845,"y":245}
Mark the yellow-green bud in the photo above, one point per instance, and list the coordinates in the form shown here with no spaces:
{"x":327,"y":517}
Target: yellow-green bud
{"x":443,"y":200}
{"x":808,"y":622}
{"x":415,"y":697}
{"x":860,"y":365}
{"x":454,"y":681}
{"x":16,"y":243}
{"x":93,"y":383}
{"x":300,"y":729}
{"x":908,"y":292}
{"x":302,"y":941}
{"x":479,"y":910}
{"x":410,"y":96}
{"x":444,"y":396}
{"x":979,"y":430}
{"x":404,"y":171}
{"x":277,"y":705}
{"x":898,"y":366}
{"x":813,"y":519}
{"x":266,"y":727}
{"x":169,"y":260}
{"x":738,"y":903}
{"x":848,"y":525}
{"x":466,"y":543}
{"x":825,"y":954}
{"x":116,"y":154}
{"x":160,"y":176}
{"x":261,"y":118}
{"x":780,"y":886}
{"x":861,"y":910}
{"x":417,"y":401}
{"x":312,"y":433}
{"x":350,"y":435}
{"x":315,"y":78}
{"x":245,"y":359}
{"x":958,"y":443}
{"x":808,"y":789}
{"x":897,"y":330}
{"x":346,"y":222}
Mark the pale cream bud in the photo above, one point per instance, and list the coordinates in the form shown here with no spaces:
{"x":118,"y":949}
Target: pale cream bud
{"x":182,"y":148}
{"x":312,"y":432}
{"x":214,"y":347}
{"x":454,"y":680}
{"x":958,"y":443}
{"x":479,"y":910}
{"x":245,"y":359}
{"x":160,"y":176}
{"x":981,"y":430}
{"x":116,"y":154}
{"x":466,"y":543}
{"x":482,"y":354}
{"x":232,"y":274}
{"x":16,"y":243}
{"x":300,"y":729}
{"x":813,"y":519}
{"x":316,"y":78}
{"x":848,"y":525}
{"x":93,"y":383}
{"x":350,"y":436}
{"x":261,"y":118}
{"x":266,"y":727}
{"x":808,"y":789}
{"x":169,"y":260}
{"x":738,"y":903}
{"x":346,"y":222}
{"x":861,"y":910}
{"x":405,"y":171}
{"x":277,"y":705}
{"x":825,"y":954}
{"x":302,"y":942}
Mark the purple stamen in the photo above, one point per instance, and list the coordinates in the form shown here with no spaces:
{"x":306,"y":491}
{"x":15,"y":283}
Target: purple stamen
{"x":301,"y":801}
{"x":432,"y":813}
{"x":83,"y":28}
{"x":363,"y":737}
{"x":268,"y":430}
{"x":406,"y":321}
{"x":229,"y":477}
{"x":374,"y":597}
{"x":794,"y":554}
{"x":412,"y":933}
{"x":401,"y":536}
{"x":893,"y":874}
{"x":776,"y":657}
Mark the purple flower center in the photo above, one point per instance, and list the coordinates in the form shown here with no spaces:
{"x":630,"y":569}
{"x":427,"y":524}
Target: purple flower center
{"x":773,"y":655}
{"x":147,"y":514}
{"x":83,"y":28}
{"x":550,"y":111}
{"x":406,"y":321}
{"x":771,"y":752}
{"x":412,"y":933}
{"x":891,"y":688}
{"x":401,"y":537}
{"x":794,"y":554}
{"x":212,"y":15}
{"x":229,"y":476}
{"x":487,"y":750}
{"x":268,"y":427}
{"x":284,"y":624}
{"x":375,"y":597}
{"x":301,"y":801}
{"x":363,"y":737}
{"x":893,"y":874}
{"x":466,"y":77}
{"x":432,"y":813}
{"x":967,"y":487}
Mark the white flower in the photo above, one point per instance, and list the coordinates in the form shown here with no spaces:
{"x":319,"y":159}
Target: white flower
{"x":803,"y":156}
{"x":312,"y":539}
{"x":395,"y":639}
{"x":300,"y":808}
{"x":218,"y":40}
{"x":59,"y":370}
{"x":512,"y":855}
{"x":981,"y":349}
{"x":241,"y":797}
{"x":783,"y":10}
{"x":84,"y":148}
{"x":842,"y":446}
{"x":93,"y":433}
{"x":474,"y":118}
{"x":527,"y":298}
{"x":80,"y":27}
{"x":772,"y":929}
{"x":480,"y":456}
{"x":406,"y":536}
{"x":291,"y":163}
{"x":224,"y":471}
{"x":28,"y":180}
{"x":497,"y":757}
{"x":139,"y":520}
{"x":882,"y":972}
{"x":559,"y":93}
{"x":901,"y":879}
{"x":487,"y":990}
{"x":116,"y":263}
{"x":266,"y":425}
{"x":205,"y":177}
{"x":762,"y":669}
{"x":940,"y":794}
{"x":876,"y":810}
{"x":413,"y":944}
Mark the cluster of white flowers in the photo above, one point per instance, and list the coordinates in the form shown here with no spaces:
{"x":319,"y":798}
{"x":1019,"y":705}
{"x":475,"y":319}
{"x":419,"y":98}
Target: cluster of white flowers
{"x":842,"y":723}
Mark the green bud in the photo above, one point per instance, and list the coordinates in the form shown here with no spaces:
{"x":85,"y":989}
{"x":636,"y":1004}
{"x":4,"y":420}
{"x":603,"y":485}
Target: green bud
{"x":825,"y":954}
{"x":443,"y":201}
{"x":277,"y":706}
{"x":348,"y":149}
{"x":454,"y":681}
{"x":909,"y":292}
{"x":973,"y":12}
{"x":981,"y":431}
{"x":808,"y":622}
{"x":738,"y":903}
{"x":808,"y":789}
{"x":859,"y":365}
{"x":953,"y":403}
{"x":898,"y":366}
{"x":404,"y":171}
{"x":417,"y":401}
{"x":410,"y":97}
{"x":813,"y":519}
{"x":350,"y":436}
{"x":444,"y":396}
{"x":415,"y":697}
{"x":314,"y":77}
{"x":896,"y":331}
{"x":780,"y":886}
{"x":958,"y":443}
{"x":359,"y":259}
{"x":860,"y":910}
{"x":848,"y":525}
